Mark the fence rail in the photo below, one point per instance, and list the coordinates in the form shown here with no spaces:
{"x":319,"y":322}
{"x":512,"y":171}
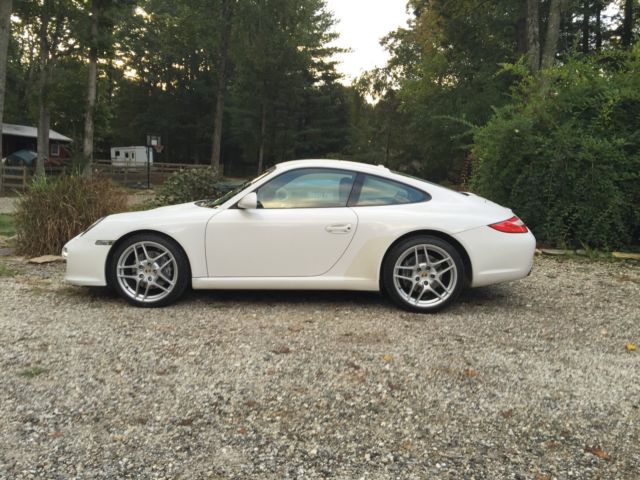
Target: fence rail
{"x":14,"y":179}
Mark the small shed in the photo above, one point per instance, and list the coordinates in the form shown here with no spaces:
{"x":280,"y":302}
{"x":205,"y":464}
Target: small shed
{"x":24,"y":137}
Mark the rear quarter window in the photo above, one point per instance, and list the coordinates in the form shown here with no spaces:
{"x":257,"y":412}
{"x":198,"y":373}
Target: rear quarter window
{"x":377,"y":191}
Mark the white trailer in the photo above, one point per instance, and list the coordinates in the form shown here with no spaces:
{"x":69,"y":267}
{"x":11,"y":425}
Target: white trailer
{"x":131,"y":156}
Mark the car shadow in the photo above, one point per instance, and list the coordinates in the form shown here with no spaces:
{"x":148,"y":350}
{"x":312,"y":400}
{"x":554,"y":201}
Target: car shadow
{"x":293,"y":297}
{"x":471,"y":297}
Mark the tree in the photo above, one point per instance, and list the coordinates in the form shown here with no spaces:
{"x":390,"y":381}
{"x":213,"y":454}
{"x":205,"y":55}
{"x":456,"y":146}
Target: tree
{"x":47,"y":23}
{"x":6,"y":6}
{"x":87,"y":141}
{"x":223,"y":52}
{"x":627,"y":24}
{"x":553,"y":33}
{"x":533,"y":35}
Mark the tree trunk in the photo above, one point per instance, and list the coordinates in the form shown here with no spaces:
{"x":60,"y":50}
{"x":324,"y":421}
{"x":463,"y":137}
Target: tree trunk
{"x":43,"y":107}
{"x":553,"y":34}
{"x":263,"y":132}
{"x":43,"y":138}
{"x":87,"y":144}
{"x":598,"y":12}
{"x":586,"y":18}
{"x":627,"y":24}
{"x":533,"y":35}
{"x":5,"y":31}
{"x":223,"y":50}
{"x":521,"y":31}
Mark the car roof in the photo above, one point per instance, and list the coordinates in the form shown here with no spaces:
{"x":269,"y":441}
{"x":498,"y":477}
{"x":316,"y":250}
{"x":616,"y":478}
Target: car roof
{"x":431,"y":188}
{"x":326,"y":163}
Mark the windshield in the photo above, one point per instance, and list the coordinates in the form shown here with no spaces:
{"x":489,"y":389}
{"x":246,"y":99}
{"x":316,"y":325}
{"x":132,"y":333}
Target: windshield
{"x":215,"y":203}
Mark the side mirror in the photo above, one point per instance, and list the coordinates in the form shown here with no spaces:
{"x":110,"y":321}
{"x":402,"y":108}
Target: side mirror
{"x":249,"y":201}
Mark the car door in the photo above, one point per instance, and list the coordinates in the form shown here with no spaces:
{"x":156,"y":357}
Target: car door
{"x":301,"y":227}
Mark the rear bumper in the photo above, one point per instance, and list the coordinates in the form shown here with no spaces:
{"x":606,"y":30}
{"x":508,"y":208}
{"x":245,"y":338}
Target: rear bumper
{"x":85,"y":262}
{"x":498,"y":257}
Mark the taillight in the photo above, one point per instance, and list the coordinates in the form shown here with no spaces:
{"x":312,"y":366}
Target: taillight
{"x":513,"y":225}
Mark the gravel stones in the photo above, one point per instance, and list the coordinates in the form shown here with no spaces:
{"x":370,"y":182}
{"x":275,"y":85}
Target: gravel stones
{"x":521,"y":380}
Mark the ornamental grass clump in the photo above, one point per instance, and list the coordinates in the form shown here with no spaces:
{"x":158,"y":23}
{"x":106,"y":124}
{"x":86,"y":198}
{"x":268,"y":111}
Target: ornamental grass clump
{"x":52,"y":211}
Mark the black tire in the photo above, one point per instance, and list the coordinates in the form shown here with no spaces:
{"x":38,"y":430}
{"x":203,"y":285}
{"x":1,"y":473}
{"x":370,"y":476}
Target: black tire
{"x":179,"y":270}
{"x":438,"y":281}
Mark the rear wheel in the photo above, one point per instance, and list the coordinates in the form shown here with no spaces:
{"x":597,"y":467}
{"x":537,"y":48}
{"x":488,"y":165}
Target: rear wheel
{"x":149,"y":270}
{"x":423,"y":273}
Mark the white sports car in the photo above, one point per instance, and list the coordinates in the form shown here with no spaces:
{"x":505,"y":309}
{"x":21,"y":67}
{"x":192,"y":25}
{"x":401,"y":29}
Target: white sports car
{"x":311,"y":225}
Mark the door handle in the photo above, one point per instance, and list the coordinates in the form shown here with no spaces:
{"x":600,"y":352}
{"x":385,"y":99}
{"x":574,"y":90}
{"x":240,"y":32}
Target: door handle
{"x":342,"y":228}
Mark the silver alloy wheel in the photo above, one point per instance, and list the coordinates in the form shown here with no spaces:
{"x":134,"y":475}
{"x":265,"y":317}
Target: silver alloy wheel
{"x":425,"y":275}
{"x":147,"y":271}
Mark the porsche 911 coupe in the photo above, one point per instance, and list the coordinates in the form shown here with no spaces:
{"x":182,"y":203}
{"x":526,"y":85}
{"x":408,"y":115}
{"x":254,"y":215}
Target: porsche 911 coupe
{"x":310,"y":225}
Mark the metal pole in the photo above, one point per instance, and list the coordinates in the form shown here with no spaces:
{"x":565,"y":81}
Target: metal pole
{"x":148,"y":170}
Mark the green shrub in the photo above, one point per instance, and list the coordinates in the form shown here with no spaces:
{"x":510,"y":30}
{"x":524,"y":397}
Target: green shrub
{"x":7,"y":228}
{"x":565,"y":154}
{"x":187,"y":186}
{"x":52,"y":211}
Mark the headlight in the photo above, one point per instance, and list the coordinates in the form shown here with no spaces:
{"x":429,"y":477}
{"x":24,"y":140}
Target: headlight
{"x":93,"y":225}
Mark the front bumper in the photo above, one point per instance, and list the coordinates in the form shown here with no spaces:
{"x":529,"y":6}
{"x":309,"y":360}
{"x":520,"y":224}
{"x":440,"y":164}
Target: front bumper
{"x":86,"y":262}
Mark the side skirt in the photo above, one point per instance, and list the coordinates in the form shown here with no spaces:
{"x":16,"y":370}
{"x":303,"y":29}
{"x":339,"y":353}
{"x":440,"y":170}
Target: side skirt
{"x":284,"y":283}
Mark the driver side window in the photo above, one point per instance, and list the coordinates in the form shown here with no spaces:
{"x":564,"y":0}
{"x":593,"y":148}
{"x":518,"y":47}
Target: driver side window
{"x":307,"y":188}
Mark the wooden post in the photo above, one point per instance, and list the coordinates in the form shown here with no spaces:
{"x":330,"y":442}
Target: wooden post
{"x":1,"y":176}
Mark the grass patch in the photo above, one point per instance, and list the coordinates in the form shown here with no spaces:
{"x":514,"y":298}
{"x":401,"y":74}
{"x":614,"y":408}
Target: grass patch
{"x":32,"y":372}
{"x":6,"y":271}
{"x":7,"y":226}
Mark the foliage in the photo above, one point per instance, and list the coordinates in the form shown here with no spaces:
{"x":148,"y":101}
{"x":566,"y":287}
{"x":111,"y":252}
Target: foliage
{"x":7,"y":227}
{"x":52,"y":211}
{"x":188,"y":186}
{"x":565,"y":154}
{"x":33,"y":372}
{"x":6,"y":271}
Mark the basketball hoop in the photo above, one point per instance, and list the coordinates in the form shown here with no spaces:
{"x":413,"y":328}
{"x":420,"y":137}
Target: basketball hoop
{"x":158,"y":148}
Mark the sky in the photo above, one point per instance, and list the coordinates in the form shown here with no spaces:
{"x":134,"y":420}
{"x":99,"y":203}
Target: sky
{"x":361,"y":25}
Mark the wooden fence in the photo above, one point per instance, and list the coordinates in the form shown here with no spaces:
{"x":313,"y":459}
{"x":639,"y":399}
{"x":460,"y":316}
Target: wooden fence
{"x":14,"y":179}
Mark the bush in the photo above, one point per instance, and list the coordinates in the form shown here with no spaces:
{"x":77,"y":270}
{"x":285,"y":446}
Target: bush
{"x":52,"y":211}
{"x":565,"y":155}
{"x":188,"y":186}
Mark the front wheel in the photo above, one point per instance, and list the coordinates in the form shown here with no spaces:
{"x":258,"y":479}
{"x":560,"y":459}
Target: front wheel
{"x":149,"y":270}
{"x":423,"y":274}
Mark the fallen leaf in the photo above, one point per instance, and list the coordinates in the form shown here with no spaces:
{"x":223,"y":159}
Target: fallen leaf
{"x":598,"y":452}
{"x":470,"y":372}
{"x":387,"y":358}
{"x":281,"y":350}
{"x":631,"y":347}
{"x":540,"y":476}
{"x":507,"y":413}
{"x":295,"y":328}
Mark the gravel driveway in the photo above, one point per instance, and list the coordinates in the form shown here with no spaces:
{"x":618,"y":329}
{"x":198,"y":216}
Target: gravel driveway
{"x":528,"y":380}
